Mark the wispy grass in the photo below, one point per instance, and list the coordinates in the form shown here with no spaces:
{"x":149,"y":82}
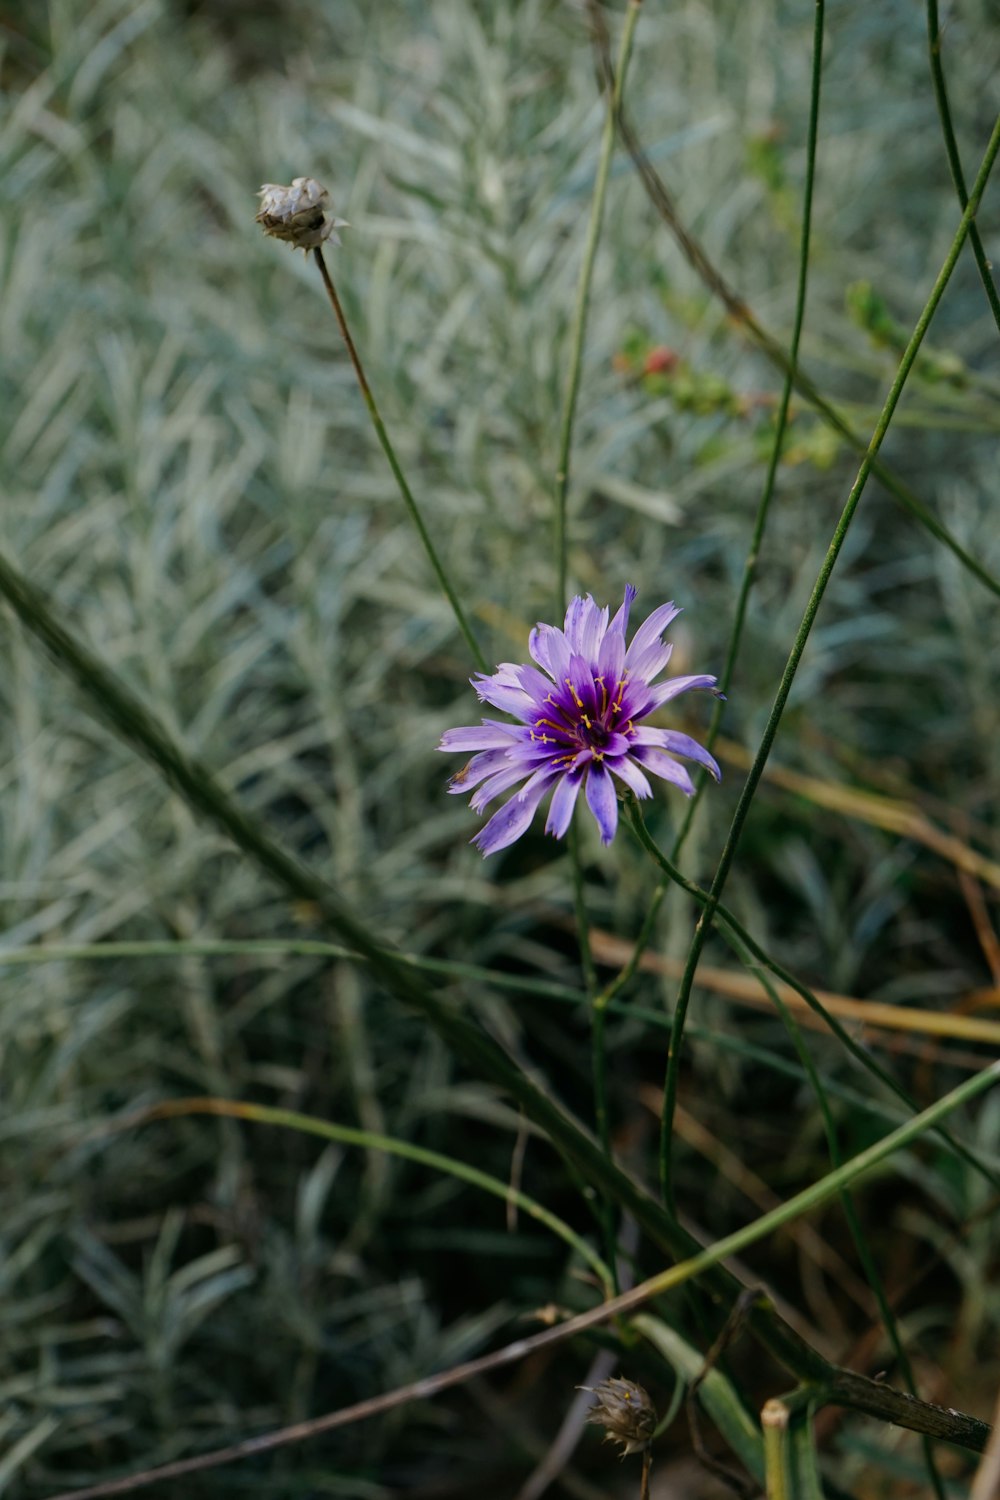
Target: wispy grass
{"x":191,"y":479}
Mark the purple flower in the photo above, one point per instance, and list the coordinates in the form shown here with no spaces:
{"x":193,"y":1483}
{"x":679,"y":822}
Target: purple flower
{"x":581,"y":723}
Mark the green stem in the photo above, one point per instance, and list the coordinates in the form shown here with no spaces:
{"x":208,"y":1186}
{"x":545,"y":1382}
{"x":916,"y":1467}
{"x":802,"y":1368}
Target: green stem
{"x":579,"y":329}
{"x":128,"y":717}
{"x":774,"y":1421}
{"x":598,"y":1049}
{"x":954,"y":160}
{"x":798,"y":647}
{"x":831,"y":1383}
{"x":760,"y":521}
{"x":526,"y":984}
{"x":400,"y":477}
{"x":115,"y":703}
{"x":738,"y":310}
{"x":791,"y":373}
{"x":789,"y":1445}
{"x":578,"y":339}
{"x":741,"y":941}
{"x":289,"y":1119}
{"x":867,"y":1259}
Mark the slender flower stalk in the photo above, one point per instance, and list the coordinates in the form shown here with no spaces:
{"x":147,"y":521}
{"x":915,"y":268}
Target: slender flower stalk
{"x":627,"y":971}
{"x":581,"y":724}
{"x":744,"y":944}
{"x":799,"y":645}
{"x":615,"y":87}
{"x":300,"y":216}
{"x":615,"y":95}
{"x":829,"y":1383}
{"x":774,"y":350}
{"x":935,"y":41}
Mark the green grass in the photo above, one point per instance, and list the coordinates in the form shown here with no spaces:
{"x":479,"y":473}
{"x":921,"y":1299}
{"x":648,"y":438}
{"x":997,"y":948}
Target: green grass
{"x":191,"y":477}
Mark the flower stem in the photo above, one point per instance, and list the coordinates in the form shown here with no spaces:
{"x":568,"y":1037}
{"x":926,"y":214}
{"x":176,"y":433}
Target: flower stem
{"x":743,"y":943}
{"x":852,"y":1218}
{"x":791,"y":371}
{"x":112,"y":700}
{"x":288,"y":1119}
{"x":598,"y":1012}
{"x":741,"y":314}
{"x":954,"y":160}
{"x":763,"y":508}
{"x":827,"y":1382}
{"x":400,"y":477}
{"x":798,"y":648}
{"x":598,"y":1051}
{"x":583,"y":297}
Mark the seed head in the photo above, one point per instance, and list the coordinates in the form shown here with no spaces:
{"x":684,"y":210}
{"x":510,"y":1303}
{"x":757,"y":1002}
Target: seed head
{"x":299,"y":214}
{"x":624,"y":1409}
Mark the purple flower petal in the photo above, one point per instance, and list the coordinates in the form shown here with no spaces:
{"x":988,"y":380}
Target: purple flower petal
{"x":562,"y":805}
{"x":483,"y":736}
{"x":651,"y":663}
{"x":620,"y":622}
{"x":511,"y":700}
{"x":649,"y":632}
{"x":585,"y":627}
{"x":626,"y":770}
{"x":674,"y":686}
{"x":611,"y":661}
{"x":507,"y":776}
{"x":537,"y":686}
{"x":660,"y":764}
{"x":683,"y":744}
{"x":602,"y":801}
{"x":550,"y":649}
{"x":507,"y":825}
{"x":583,"y":690}
{"x":476,"y":770}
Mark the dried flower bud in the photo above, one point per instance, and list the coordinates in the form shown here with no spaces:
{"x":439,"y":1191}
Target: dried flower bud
{"x":299,"y":214}
{"x":625,"y":1410}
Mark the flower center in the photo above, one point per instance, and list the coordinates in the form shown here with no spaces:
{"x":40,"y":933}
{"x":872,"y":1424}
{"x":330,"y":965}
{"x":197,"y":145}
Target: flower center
{"x":576,"y":725}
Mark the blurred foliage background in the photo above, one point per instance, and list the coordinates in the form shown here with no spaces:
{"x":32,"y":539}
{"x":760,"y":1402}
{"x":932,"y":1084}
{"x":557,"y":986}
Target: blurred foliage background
{"x":189,"y":473}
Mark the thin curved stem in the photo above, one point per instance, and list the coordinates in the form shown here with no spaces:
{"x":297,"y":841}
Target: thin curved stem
{"x":328,"y":1130}
{"x":934,"y":40}
{"x":628,"y":970}
{"x":742,"y":942}
{"x":791,"y":374}
{"x":861,"y":1245}
{"x":579,"y":331}
{"x":394,"y":464}
{"x":578,"y":341}
{"x":598,"y":1048}
{"x":799,"y":646}
{"x":831,"y":1382}
{"x":128,"y":716}
{"x":741,"y":314}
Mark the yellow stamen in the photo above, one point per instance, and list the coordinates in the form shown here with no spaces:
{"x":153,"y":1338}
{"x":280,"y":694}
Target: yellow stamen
{"x":573,"y":693}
